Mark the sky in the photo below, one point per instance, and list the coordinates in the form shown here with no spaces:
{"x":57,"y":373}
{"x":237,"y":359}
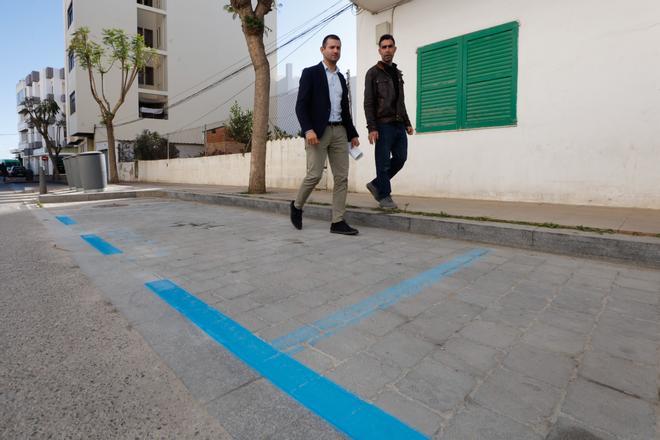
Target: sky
{"x":32,"y":37}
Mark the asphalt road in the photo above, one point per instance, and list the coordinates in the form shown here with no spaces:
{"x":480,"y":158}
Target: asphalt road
{"x":70,"y":365}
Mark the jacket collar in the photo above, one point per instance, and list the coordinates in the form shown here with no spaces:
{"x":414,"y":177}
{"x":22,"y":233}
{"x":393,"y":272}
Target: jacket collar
{"x":381,"y":65}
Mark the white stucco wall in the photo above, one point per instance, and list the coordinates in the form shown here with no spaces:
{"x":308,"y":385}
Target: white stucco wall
{"x":285,"y":168}
{"x":588,"y":103}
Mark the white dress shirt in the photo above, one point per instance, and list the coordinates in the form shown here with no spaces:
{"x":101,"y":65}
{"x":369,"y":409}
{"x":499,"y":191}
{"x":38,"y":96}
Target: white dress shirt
{"x":334,"y":87}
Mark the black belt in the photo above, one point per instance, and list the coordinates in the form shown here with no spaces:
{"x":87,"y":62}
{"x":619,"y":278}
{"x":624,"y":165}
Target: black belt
{"x":335,"y":124}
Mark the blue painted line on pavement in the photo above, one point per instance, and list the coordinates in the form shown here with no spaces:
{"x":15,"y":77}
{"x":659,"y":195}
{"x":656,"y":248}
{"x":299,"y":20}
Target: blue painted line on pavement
{"x":100,"y":244}
{"x":342,"y":409}
{"x":312,"y":333}
{"x":66,"y":220}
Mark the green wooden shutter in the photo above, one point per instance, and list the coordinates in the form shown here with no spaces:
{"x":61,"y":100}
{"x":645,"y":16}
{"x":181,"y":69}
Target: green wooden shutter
{"x":438,"y":86}
{"x":490,"y":77}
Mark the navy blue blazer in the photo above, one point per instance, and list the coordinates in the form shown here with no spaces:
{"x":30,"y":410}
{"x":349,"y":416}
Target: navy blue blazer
{"x":313,"y":103}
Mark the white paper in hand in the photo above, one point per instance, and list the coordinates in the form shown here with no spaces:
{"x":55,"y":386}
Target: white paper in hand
{"x":355,"y":152}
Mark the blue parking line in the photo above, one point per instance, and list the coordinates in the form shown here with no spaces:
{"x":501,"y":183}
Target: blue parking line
{"x":66,"y":220}
{"x":312,"y":333}
{"x":345,"y":411}
{"x":100,"y":244}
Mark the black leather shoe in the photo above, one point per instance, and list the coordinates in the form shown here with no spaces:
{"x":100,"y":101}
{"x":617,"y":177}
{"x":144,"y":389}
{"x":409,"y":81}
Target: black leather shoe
{"x":296,"y":216}
{"x":343,"y":228}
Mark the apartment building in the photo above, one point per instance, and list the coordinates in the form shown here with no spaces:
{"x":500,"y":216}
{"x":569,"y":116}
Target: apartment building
{"x":190,"y":83}
{"x":47,"y":83}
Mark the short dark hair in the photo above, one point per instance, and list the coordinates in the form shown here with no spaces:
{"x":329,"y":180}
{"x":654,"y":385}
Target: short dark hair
{"x":386,"y":37}
{"x":330,"y":37}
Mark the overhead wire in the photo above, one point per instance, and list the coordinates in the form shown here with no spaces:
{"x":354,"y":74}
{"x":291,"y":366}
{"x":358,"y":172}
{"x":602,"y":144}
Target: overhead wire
{"x":272,"y":68}
{"x":322,"y":23}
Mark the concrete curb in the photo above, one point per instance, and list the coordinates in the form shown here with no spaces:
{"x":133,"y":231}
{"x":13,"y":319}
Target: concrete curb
{"x":643,"y":251}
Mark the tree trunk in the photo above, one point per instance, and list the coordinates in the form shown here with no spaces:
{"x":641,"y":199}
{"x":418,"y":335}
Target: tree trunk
{"x":53,"y":158}
{"x":261,"y":65}
{"x":112,"y":160}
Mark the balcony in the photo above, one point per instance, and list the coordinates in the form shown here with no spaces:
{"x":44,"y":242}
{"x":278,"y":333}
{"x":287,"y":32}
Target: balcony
{"x":152,"y":106}
{"x":151,"y":25}
{"x":376,"y":6}
{"x":156,"y":4}
{"x":154,"y":76}
{"x":22,"y":126}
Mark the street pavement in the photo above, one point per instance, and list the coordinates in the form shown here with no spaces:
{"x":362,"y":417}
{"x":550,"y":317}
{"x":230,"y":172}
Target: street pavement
{"x":70,"y":365}
{"x":448,"y":339}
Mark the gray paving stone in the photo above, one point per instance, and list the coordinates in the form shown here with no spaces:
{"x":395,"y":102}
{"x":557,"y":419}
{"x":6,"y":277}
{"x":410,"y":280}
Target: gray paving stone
{"x":443,"y":320}
{"x":550,"y":367}
{"x":415,"y":306}
{"x":306,"y":428}
{"x":438,"y":386}
{"x":314,"y":359}
{"x":649,"y":285}
{"x":477,"y":423}
{"x":409,"y":411}
{"x":346,"y":343}
{"x":381,"y":322}
{"x":551,"y":338}
{"x":463,"y":354}
{"x":364,"y":375}
{"x":234,"y":307}
{"x":579,"y":300}
{"x":625,"y":325}
{"x":401,"y":349}
{"x":635,"y":309}
{"x":568,"y":429}
{"x":642,"y":296}
{"x":490,"y":333}
{"x":479,"y":296}
{"x":205,"y":367}
{"x":525,"y":300}
{"x":616,"y":413}
{"x":519,"y":397}
{"x":257,"y":410}
{"x":511,"y":315}
{"x":635,"y":349}
{"x":251,"y":320}
{"x":567,"y":319}
{"x":621,"y":374}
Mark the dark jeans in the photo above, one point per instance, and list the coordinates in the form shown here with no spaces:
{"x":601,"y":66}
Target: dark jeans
{"x":391,"y":153}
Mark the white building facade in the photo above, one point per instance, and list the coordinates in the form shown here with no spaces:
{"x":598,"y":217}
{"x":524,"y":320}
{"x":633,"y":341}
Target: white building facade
{"x":521,"y":100}
{"x":193,"y":81}
{"x":47,"y":83}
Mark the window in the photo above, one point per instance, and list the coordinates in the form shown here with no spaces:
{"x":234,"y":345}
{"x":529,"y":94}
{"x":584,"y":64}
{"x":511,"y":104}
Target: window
{"x":146,"y":2}
{"x":72,"y":60}
{"x":146,"y":76}
{"x":148,"y":36}
{"x":468,"y":81}
{"x":69,"y":15}
{"x":72,"y":103}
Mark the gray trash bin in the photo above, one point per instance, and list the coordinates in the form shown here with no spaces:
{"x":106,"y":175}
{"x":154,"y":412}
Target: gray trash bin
{"x":91,"y":167}
{"x":67,"y":171}
{"x":75,"y":174}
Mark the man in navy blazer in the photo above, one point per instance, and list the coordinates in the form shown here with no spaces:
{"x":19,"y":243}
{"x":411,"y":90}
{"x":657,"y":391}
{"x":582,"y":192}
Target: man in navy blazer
{"x":324,"y":116}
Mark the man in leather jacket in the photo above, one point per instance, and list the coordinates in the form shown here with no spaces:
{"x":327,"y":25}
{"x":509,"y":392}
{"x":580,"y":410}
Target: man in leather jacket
{"x":387,"y":121}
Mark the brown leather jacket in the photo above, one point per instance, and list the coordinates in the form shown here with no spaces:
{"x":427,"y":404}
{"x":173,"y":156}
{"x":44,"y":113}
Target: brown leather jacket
{"x":380,"y":103}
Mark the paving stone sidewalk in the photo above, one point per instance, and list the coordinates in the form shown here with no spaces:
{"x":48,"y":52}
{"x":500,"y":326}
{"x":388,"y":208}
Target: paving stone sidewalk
{"x":517,"y":345}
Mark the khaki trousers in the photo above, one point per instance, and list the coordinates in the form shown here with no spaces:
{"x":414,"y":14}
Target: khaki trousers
{"x":332,"y":145}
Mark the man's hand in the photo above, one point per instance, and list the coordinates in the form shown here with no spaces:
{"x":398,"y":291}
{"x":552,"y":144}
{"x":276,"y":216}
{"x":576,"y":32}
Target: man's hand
{"x":311,"y":138}
{"x":373,"y":136}
{"x":410,"y":130}
{"x":355,"y":142}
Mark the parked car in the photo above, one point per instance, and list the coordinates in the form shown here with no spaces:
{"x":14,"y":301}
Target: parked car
{"x":20,"y":171}
{"x":16,"y":171}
